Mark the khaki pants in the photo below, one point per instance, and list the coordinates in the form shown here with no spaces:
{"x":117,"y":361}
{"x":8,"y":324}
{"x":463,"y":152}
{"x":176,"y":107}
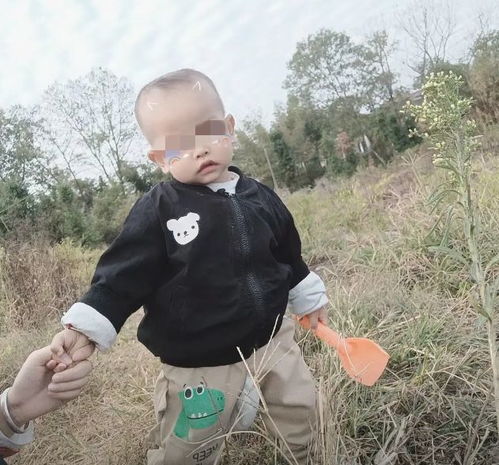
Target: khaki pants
{"x":195,"y":407}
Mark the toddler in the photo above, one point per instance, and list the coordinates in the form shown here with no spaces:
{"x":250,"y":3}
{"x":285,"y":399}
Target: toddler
{"x":214,"y":259}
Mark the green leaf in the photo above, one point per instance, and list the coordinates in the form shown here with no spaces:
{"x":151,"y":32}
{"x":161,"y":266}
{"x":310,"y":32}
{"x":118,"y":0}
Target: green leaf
{"x":477,"y":305}
{"x":474,"y":272}
{"x":448,"y":221}
{"x":439,"y":195}
{"x":451,"y":253}
{"x":434,"y":227}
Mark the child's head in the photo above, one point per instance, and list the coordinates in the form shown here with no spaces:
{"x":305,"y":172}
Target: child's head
{"x":183,"y":118}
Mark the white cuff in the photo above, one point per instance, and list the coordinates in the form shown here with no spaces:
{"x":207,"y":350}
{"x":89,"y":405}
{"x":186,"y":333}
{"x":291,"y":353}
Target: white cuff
{"x":308,"y":295}
{"x":91,"y":323}
{"x":20,"y":436}
{"x":18,"y":440}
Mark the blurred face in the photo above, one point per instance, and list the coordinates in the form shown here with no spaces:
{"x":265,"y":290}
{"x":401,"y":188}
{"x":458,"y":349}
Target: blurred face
{"x":189,"y":135}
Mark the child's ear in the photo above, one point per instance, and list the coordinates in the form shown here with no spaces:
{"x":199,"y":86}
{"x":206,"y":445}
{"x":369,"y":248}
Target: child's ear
{"x":231,"y":123}
{"x":159,"y":159}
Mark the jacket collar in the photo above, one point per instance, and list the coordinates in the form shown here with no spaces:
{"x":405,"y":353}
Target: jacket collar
{"x":245,"y":186}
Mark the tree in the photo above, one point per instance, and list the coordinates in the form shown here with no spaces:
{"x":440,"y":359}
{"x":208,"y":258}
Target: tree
{"x":21,"y":157}
{"x":429,"y":26}
{"x":484,"y":76}
{"x":89,"y":123}
{"x":21,"y":165}
{"x":324,"y":68}
{"x":17,"y":206}
{"x":142,"y":176}
{"x":254,"y":151}
{"x":328,"y":66}
{"x":343,"y":81}
{"x":286,"y":162}
{"x":300,"y":125}
{"x":377,"y":79}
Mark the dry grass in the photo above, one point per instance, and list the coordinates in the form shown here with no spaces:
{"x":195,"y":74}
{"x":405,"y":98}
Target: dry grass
{"x":367,"y":238}
{"x":37,"y":282}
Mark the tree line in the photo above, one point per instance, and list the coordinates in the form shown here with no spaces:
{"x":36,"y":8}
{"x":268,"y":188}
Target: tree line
{"x":69,"y":166}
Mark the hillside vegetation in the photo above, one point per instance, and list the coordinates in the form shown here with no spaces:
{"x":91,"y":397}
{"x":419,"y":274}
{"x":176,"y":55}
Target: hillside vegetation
{"x":368,"y":237}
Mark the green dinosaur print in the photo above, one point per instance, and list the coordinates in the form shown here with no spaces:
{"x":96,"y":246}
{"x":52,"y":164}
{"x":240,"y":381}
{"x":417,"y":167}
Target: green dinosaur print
{"x":200,"y":408}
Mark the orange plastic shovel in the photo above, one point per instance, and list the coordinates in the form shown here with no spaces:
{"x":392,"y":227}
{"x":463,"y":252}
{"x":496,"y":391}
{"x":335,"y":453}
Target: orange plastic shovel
{"x":362,"y":359}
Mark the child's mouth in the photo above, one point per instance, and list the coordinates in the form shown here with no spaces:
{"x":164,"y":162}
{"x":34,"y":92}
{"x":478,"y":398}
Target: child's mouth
{"x":207,"y":166}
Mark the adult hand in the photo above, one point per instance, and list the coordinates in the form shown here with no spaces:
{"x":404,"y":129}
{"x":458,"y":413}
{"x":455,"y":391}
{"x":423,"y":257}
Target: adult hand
{"x":38,"y":390}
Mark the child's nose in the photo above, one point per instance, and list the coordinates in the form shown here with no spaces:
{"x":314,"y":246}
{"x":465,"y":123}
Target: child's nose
{"x":200,"y":152}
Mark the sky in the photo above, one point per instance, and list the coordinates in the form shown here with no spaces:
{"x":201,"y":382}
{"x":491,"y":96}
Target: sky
{"x":243,"y":45}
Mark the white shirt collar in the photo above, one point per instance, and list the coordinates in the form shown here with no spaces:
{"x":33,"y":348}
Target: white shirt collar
{"x":229,"y":186}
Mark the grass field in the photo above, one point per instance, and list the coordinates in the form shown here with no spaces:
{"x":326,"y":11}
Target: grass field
{"x":368,"y":238}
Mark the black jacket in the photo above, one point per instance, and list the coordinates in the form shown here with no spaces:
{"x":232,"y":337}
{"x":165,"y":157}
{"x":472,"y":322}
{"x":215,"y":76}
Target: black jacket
{"x":212,"y":271}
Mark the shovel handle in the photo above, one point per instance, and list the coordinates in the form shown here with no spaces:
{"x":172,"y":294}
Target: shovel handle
{"x":325,"y":333}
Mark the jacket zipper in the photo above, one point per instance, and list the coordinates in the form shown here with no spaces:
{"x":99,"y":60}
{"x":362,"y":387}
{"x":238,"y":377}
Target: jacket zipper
{"x":250,"y":277}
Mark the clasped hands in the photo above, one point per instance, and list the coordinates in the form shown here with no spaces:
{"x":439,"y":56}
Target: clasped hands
{"x":50,"y":377}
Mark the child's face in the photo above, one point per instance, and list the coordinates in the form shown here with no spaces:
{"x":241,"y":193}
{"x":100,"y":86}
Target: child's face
{"x":187,"y":130}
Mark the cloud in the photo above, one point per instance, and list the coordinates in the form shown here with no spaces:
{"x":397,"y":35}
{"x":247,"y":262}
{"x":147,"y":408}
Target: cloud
{"x":243,"y":46}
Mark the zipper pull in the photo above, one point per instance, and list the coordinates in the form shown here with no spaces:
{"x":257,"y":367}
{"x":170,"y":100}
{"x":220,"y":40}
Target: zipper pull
{"x":223,"y":192}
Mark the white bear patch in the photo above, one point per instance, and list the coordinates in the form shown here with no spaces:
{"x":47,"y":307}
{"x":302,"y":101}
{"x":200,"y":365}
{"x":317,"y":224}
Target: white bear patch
{"x":185,"y":229}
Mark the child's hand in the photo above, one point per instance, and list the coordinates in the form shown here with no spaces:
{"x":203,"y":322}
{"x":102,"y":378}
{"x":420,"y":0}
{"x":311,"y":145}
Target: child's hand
{"x":316,"y":316}
{"x":67,"y":347}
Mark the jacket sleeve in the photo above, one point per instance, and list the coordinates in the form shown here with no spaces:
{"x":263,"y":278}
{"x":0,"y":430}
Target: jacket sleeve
{"x":307,"y":290}
{"x":288,"y":240}
{"x":126,"y":274}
